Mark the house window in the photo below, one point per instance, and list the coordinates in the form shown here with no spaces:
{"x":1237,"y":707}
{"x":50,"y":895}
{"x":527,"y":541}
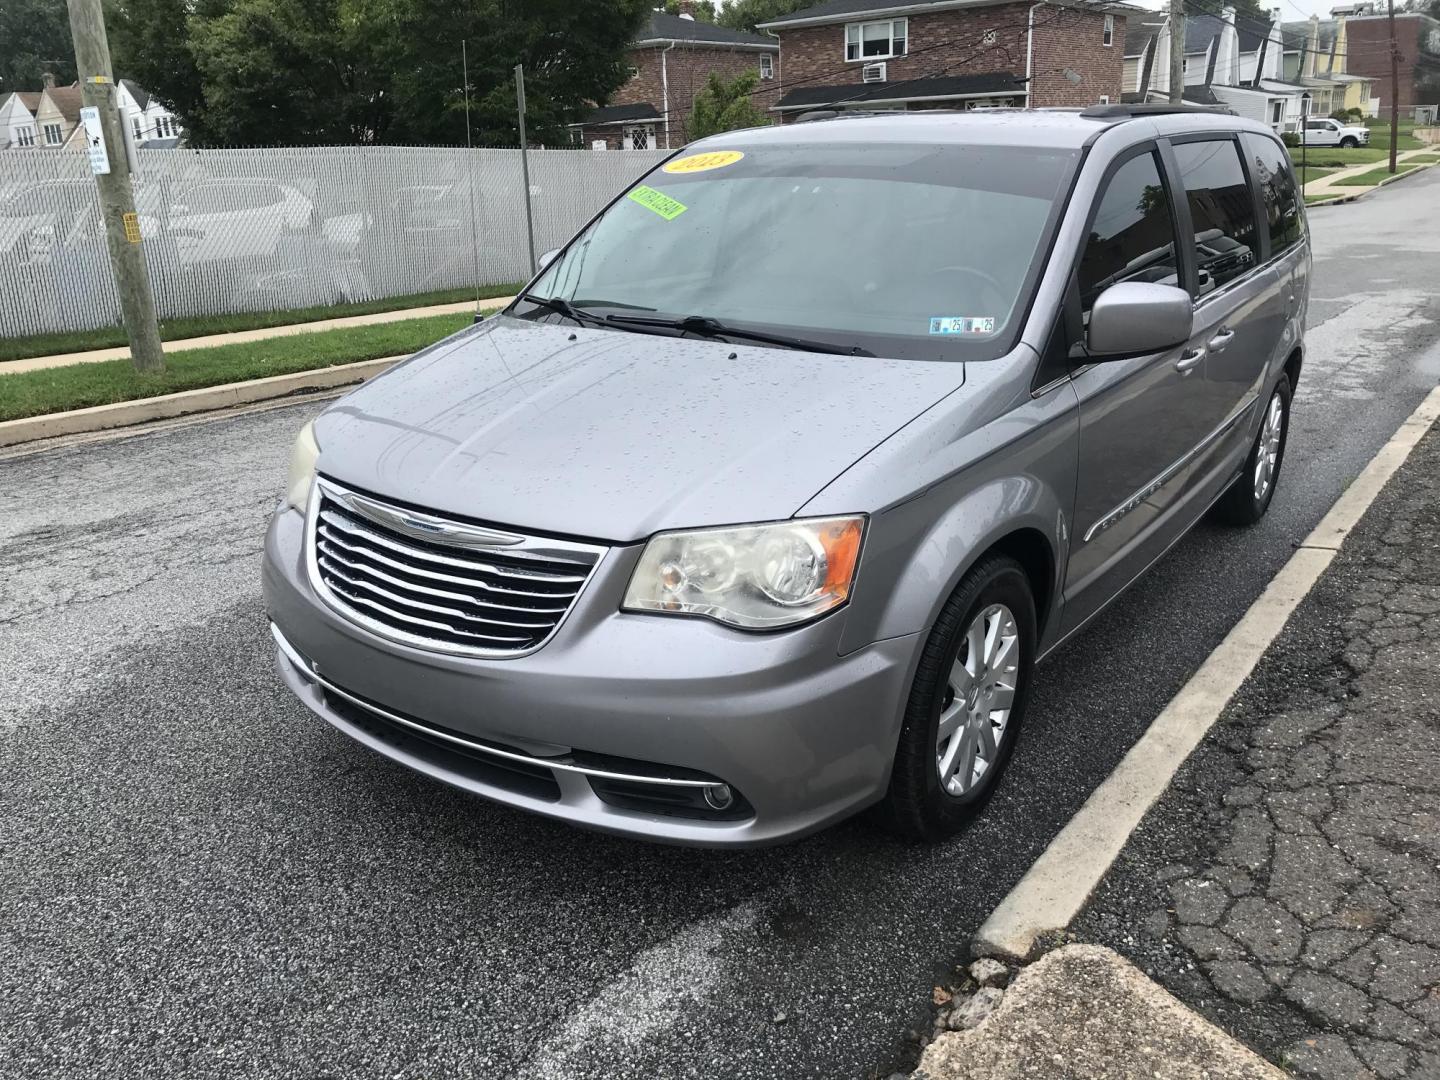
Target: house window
{"x":637,"y":138}
{"x":25,"y":136}
{"x":1277,"y":112}
{"x":876,"y":40}
{"x":137,"y":127}
{"x":767,"y":66}
{"x":53,"y":135}
{"x":1104,"y":99}
{"x":1107,"y":37}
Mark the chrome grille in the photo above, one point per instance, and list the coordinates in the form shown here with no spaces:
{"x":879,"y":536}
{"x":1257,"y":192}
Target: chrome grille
{"x":439,"y":583}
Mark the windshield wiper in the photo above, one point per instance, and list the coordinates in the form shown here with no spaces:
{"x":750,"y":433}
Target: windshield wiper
{"x":560,"y":306}
{"x":708,"y":327}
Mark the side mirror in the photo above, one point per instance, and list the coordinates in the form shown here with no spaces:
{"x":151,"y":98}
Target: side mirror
{"x":548,"y":258}
{"x":1135,"y":317}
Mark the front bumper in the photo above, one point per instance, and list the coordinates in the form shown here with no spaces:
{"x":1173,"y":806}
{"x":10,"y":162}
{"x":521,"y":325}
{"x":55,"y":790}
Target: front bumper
{"x":803,"y":735}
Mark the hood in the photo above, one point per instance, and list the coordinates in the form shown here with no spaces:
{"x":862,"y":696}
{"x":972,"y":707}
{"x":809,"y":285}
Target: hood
{"x":613,"y":435}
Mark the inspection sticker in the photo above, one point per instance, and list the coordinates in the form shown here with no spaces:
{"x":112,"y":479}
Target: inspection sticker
{"x":658,"y":201}
{"x":963,"y":324}
{"x":715,"y":159}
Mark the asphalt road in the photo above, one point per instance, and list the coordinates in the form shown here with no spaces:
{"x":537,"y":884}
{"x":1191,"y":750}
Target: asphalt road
{"x":197,"y":877}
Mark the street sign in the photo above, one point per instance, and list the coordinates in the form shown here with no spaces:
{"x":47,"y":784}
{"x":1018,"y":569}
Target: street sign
{"x":95,"y":140}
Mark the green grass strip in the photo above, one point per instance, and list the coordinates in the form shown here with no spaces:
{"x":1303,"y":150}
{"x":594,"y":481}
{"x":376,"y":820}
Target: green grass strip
{"x":111,"y":337}
{"x":1373,"y":177}
{"x":79,"y":386}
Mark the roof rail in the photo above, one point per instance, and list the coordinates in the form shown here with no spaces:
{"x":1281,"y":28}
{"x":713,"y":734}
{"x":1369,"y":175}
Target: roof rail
{"x":1121,"y":111}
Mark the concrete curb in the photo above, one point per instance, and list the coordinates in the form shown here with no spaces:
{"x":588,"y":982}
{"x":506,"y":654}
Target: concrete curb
{"x":167,"y":406}
{"x":1060,"y":881}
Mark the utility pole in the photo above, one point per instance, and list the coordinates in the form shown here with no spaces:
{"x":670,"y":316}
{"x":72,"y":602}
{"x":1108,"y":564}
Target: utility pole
{"x":525,"y":163}
{"x":106,"y":143}
{"x":1177,"y":52}
{"x":1394,"y":88}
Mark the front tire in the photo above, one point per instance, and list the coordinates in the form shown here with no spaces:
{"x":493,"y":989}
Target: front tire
{"x":1349,"y":143}
{"x":1249,"y":497}
{"x":967,"y":703}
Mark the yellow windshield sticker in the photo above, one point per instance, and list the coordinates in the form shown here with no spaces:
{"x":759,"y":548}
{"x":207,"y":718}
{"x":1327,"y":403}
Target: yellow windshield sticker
{"x":658,"y":201}
{"x":716,"y":159}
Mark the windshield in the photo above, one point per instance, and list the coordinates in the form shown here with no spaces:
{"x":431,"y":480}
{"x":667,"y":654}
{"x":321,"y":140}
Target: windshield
{"x":925,"y":252}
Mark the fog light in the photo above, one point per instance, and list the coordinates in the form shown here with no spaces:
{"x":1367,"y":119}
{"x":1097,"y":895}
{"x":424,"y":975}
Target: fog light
{"x":719,"y":796}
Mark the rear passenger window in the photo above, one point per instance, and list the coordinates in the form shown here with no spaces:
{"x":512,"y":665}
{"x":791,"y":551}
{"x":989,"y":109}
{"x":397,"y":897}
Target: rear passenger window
{"x":1221,"y":211}
{"x":1271,"y":166}
{"x":1133,"y":235}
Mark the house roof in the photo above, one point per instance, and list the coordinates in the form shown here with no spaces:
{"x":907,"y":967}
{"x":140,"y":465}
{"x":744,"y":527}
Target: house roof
{"x":1297,"y":34}
{"x":619,"y":114}
{"x":666,"y":28}
{"x":139,"y":93}
{"x":1200,"y":95}
{"x":836,"y":10}
{"x":67,"y":99}
{"x":989,"y":82}
{"x":29,"y":99}
{"x":1201,"y":30}
{"x":1138,"y":35}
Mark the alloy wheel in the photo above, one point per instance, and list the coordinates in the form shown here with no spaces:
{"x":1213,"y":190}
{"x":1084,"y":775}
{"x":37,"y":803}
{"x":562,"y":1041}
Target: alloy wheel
{"x":976,"y":708}
{"x":1269,"y":449}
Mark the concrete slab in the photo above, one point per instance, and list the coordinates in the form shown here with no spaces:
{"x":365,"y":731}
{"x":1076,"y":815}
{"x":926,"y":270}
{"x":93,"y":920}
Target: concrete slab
{"x":1085,"y":1011}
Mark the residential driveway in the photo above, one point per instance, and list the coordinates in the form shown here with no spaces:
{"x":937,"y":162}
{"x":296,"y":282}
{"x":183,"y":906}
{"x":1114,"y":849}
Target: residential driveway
{"x":199,"y":878}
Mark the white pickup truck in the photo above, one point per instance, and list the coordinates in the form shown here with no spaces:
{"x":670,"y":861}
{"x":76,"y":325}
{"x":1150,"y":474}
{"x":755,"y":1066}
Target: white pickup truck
{"x":1329,"y":132}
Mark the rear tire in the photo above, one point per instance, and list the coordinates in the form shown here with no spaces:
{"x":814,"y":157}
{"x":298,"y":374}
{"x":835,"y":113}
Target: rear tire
{"x":1249,"y":497}
{"x":974,"y":676}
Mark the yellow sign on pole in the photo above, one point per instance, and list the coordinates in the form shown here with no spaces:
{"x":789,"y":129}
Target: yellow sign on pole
{"x":132,"y":228}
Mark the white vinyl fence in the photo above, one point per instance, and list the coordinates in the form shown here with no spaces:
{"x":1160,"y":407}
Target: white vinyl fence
{"x":274,"y":229}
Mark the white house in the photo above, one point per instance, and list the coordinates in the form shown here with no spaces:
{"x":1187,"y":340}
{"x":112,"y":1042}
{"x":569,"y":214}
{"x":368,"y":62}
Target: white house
{"x":49,"y":118}
{"x":1237,"y":66}
{"x":17,"y":119}
{"x":149,"y":122}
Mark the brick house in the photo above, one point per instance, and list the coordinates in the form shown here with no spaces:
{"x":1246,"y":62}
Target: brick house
{"x":948,"y":54}
{"x":1417,"y":38}
{"x":670,"y":63}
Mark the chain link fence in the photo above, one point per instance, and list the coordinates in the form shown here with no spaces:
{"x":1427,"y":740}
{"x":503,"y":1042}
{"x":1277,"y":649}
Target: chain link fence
{"x":267,"y":229}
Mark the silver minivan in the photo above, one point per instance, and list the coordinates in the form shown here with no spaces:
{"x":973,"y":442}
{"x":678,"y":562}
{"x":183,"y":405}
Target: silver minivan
{"x":762,"y":503}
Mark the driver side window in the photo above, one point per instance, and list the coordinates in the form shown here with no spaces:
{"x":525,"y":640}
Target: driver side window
{"x":1133,"y":235}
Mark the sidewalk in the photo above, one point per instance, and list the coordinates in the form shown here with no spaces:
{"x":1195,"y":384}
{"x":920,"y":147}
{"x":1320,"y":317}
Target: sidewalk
{"x":41,"y":363}
{"x":1288,"y":885}
{"x":1331,"y":186}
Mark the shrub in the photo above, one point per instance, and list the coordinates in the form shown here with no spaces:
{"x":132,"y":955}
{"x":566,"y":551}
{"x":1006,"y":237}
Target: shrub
{"x":1290,"y":138}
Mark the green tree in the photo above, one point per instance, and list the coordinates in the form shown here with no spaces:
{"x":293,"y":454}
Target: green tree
{"x":385,"y":71}
{"x":34,"y":39}
{"x":746,"y":14}
{"x":725,"y":106}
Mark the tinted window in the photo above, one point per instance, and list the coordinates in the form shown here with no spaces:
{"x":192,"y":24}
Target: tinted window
{"x":1221,"y":210}
{"x":1271,"y":166}
{"x":1133,"y":236}
{"x":916,"y":251}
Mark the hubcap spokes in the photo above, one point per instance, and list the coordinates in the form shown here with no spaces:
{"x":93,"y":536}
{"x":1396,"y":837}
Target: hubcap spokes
{"x":1269,"y":452}
{"x":978,"y":700}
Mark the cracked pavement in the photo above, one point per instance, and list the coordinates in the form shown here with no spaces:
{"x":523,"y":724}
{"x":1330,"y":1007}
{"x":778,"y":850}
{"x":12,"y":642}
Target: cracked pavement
{"x":1288,"y":886}
{"x":199,"y":878}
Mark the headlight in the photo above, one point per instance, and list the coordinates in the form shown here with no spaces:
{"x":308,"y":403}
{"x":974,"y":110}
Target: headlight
{"x":757,"y":577}
{"x":302,"y":467}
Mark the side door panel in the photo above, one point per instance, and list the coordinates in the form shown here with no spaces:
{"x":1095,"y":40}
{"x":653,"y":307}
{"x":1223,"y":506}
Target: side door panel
{"x":1140,"y":417}
{"x":1239,"y":310}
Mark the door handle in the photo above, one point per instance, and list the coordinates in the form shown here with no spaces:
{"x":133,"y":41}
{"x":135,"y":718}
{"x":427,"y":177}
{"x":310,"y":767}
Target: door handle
{"x":1220,"y":340}
{"x":1189,"y":360}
